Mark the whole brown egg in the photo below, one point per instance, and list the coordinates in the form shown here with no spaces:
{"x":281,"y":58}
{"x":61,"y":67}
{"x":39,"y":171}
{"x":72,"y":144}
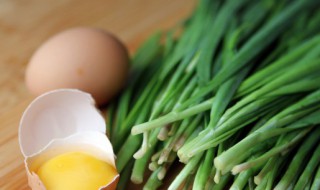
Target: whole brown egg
{"x":88,"y":59}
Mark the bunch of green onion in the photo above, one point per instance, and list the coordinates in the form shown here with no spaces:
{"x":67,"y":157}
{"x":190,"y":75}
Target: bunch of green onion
{"x":235,"y":98}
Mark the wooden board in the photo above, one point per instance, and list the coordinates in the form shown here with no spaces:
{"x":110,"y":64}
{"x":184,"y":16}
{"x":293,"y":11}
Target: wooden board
{"x":25,"y":24}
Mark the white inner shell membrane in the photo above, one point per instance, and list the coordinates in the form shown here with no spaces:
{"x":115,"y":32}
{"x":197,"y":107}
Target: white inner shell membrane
{"x":56,"y":115}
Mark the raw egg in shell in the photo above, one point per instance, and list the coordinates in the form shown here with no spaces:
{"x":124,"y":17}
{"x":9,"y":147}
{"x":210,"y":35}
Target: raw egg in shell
{"x":88,"y":59}
{"x":62,"y":137}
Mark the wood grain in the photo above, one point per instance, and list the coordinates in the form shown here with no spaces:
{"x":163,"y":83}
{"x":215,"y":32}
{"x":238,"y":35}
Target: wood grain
{"x":25,"y":24}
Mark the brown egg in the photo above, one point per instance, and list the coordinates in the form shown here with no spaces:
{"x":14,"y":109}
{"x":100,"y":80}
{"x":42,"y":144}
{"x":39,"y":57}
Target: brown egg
{"x":88,"y":59}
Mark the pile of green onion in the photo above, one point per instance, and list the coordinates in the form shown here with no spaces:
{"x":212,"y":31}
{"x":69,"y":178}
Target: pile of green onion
{"x":231,"y":95}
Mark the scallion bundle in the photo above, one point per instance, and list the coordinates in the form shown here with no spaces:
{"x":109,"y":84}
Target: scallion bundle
{"x":236,"y":98}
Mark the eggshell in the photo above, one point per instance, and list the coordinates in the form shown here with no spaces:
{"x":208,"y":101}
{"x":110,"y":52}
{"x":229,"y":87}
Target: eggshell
{"x":91,"y":142}
{"x":89,"y":59}
{"x":62,"y":121}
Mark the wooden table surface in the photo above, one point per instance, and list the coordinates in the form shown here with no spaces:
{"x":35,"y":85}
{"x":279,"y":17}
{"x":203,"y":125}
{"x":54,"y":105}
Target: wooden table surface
{"x":25,"y":24}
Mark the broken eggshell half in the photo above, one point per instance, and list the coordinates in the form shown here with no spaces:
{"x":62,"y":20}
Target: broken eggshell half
{"x":61,"y":121}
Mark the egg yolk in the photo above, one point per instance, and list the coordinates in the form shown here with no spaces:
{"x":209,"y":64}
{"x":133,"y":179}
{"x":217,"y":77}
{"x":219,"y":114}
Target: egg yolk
{"x":75,"y":171}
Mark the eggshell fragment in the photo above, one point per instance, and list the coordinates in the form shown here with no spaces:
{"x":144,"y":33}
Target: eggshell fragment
{"x":62,"y":121}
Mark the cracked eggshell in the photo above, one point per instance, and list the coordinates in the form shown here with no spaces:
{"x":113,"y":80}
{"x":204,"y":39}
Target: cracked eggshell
{"x":62,"y":121}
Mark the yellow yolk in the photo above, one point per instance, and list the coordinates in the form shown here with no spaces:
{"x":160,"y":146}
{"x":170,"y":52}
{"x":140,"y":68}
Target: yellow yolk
{"x":75,"y":171}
